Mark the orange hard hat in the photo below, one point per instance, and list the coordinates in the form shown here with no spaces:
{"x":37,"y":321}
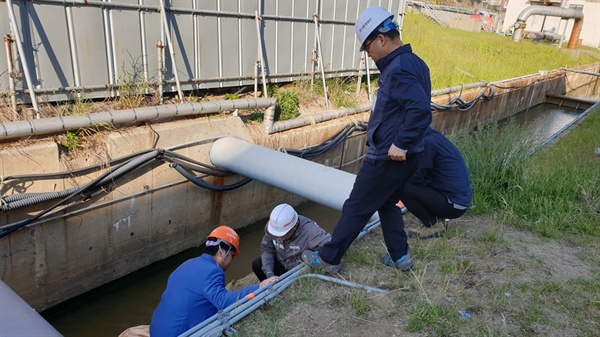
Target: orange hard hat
{"x":227,"y":235}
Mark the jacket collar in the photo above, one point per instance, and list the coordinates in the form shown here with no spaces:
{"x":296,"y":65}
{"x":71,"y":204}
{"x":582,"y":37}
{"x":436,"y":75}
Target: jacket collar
{"x":386,"y":60}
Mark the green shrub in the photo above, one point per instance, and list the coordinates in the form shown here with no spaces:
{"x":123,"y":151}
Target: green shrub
{"x":255,"y":116}
{"x":287,"y":105}
{"x":71,"y":142}
{"x":231,"y":96}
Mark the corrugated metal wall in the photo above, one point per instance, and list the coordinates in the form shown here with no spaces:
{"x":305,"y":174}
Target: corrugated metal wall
{"x":73,"y":46}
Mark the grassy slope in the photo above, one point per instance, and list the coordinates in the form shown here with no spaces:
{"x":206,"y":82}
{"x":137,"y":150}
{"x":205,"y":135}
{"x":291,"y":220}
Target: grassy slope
{"x":458,"y":57}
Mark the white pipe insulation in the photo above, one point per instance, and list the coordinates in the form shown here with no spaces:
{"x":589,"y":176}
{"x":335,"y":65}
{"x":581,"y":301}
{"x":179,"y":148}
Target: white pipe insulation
{"x":322,"y":184}
{"x":46,"y":126}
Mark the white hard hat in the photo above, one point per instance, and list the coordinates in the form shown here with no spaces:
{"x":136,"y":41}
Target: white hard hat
{"x":282,"y":219}
{"x":370,"y":19}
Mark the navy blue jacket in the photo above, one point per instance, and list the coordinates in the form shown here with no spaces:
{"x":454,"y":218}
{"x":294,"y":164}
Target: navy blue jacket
{"x":402,"y":107}
{"x":195,"y":291}
{"x":443,"y":168}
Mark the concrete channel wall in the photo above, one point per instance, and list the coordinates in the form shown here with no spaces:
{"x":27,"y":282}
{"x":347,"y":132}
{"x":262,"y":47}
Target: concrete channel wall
{"x":156,"y":213}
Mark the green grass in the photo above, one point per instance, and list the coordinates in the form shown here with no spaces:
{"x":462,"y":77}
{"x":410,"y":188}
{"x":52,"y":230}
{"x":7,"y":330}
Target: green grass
{"x":458,"y":57}
{"x":304,"y":286}
{"x":492,"y":237}
{"x":561,"y":186}
{"x":495,"y":158}
{"x":358,"y":301}
{"x":554,"y":192}
{"x":269,"y":317}
{"x":81,"y":105}
{"x":439,"y":317}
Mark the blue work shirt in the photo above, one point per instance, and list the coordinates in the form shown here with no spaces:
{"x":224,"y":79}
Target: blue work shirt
{"x":401,"y":110}
{"x":443,"y":168}
{"x":195,"y":291}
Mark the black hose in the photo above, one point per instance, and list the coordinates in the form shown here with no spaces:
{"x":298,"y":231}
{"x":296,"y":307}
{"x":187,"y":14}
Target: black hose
{"x":15,"y":201}
{"x":199,"y":182}
{"x":27,"y":199}
{"x":332,"y":142}
{"x":126,"y":168}
{"x":76,"y":172}
{"x":171,"y":157}
{"x":459,"y":104}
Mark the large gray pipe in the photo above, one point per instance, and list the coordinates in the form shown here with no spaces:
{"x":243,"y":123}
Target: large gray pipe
{"x":564,"y":13}
{"x":322,"y":184}
{"x":46,"y":126}
{"x":18,"y":319}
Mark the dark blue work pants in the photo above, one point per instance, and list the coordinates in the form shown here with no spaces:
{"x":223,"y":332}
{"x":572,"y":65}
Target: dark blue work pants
{"x":377,"y":188}
{"x":428,"y":204}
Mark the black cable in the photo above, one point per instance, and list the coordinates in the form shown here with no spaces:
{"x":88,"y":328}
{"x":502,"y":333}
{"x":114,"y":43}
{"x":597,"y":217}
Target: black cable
{"x":199,"y":182}
{"x":332,"y":142}
{"x":15,"y":201}
{"x":77,"y":172}
{"x":171,"y":156}
{"x":459,"y":104}
{"x":98,"y":182}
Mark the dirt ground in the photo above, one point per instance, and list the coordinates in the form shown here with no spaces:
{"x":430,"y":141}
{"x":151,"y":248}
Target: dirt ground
{"x":481,"y":279}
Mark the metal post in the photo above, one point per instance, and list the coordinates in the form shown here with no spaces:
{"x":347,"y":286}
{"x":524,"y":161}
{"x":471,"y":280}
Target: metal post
{"x":109,"y":51}
{"x":73,"y":45}
{"x":23,"y":58}
{"x":312,"y":68}
{"x":256,"y":78}
{"x":160,"y":50}
{"x":260,"y":51}
{"x":401,"y":15}
{"x":145,"y":64}
{"x":320,"y":53}
{"x":11,"y":75}
{"x":360,"y":73}
{"x":171,"y":51}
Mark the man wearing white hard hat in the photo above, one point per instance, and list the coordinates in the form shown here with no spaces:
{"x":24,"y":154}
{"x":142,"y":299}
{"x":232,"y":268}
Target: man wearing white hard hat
{"x":400,"y":116}
{"x":287,"y":235}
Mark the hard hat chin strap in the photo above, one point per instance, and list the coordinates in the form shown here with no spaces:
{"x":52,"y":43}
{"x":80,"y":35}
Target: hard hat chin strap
{"x":226,"y":253}
{"x":218,"y":242}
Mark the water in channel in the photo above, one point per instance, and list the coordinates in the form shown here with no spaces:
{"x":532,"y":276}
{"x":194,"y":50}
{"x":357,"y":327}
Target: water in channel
{"x":130,"y":301}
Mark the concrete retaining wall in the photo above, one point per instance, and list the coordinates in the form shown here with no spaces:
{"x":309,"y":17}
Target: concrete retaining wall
{"x":156,"y":213}
{"x":152,"y":215}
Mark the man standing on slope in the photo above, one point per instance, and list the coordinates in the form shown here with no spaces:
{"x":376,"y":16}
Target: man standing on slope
{"x":400,"y":115}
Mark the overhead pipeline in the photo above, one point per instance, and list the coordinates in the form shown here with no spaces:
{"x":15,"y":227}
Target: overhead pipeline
{"x":564,"y":13}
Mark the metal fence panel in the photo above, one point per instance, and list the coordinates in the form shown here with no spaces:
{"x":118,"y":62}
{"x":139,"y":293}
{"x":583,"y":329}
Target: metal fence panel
{"x":91,"y":47}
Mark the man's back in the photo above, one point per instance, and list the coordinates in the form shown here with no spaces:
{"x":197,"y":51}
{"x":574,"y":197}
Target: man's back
{"x":195,"y":292}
